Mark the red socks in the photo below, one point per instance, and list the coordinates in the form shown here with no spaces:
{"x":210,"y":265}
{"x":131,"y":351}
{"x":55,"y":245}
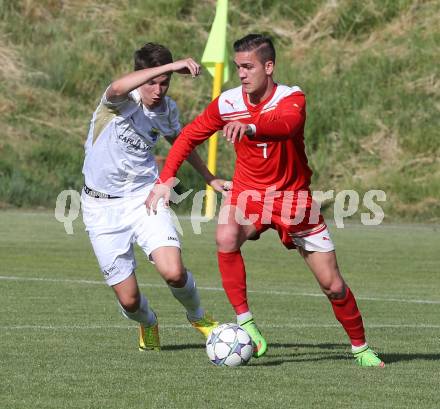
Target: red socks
{"x":348,"y":314}
{"x":233,"y":274}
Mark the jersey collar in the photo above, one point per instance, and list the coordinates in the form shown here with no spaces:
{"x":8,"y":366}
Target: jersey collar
{"x":257,"y":107}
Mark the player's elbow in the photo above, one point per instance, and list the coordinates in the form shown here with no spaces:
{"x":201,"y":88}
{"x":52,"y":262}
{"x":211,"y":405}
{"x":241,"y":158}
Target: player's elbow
{"x":115,"y":90}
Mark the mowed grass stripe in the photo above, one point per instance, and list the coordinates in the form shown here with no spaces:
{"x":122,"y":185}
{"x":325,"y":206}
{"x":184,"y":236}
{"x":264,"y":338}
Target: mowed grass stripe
{"x":267,"y":292}
{"x":187,"y":326}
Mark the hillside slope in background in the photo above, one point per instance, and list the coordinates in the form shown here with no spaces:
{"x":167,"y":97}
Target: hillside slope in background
{"x":369,"y":70}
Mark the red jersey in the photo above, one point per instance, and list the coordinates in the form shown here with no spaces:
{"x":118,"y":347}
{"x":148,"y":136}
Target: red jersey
{"x":274,"y":156}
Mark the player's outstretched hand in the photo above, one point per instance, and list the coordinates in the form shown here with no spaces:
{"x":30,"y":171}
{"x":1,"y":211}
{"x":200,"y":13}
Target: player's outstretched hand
{"x":159,"y":191}
{"x":186,"y":66}
{"x":220,"y":185}
{"x":235,"y":130}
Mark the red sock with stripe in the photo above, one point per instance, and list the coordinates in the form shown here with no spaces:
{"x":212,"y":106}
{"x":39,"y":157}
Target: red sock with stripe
{"x":232,"y":270}
{"x":348,"y":314}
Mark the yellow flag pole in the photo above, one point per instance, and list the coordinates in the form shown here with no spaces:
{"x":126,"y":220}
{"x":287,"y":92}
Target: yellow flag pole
{"x":211,"y":198}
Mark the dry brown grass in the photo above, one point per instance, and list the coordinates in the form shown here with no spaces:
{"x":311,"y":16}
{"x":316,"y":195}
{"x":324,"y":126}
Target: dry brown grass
{"x":43,"y":10}
{"x":48,"y":10}
{"x":12,"y":67}
{"x":105,"y":11}
{"x":427,"y":205}
{"x":300,"y":37}
{"x":316,"y":34}
{"x":383,"y":144}
{"x":38,"y":110}
{"x":429,"y":85}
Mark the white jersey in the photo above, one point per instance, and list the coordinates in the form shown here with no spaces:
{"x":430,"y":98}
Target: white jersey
{"x":119,"y":160}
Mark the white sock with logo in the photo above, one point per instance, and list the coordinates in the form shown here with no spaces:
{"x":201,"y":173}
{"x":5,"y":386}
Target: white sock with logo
{"x":188,"y":296}
{"x":144,"y":315}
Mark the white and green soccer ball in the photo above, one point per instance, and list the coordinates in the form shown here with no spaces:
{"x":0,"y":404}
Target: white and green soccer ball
{"x":229,"y":345}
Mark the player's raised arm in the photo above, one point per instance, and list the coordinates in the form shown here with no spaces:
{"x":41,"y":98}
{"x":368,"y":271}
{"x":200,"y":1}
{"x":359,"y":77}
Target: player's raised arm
{"x":199,"y":130}
{"x":120,"y":88}
{"x":192,"y":135}
{"x":235,"y":130}
{"x":197,"y":163}
{"x":285,"y":121}
{"x":282,"y":123}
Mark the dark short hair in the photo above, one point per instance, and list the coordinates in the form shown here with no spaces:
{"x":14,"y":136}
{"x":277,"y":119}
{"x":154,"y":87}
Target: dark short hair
{"x":261,"y":43}
{"x":151,"y":55}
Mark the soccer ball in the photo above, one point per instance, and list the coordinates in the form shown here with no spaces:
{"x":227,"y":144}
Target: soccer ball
{"x":229,"y":345}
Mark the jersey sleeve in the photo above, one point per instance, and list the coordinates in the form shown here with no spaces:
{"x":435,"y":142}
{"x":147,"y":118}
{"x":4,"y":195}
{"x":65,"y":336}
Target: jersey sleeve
{"x":193,"y":134}
{"x":174,"y":119}
{"x":120,"y":105}
{"x":284,"y":121}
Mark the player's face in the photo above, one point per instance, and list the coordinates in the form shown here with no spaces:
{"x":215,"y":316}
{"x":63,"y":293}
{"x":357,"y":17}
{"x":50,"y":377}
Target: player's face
{"x":254,"y":74}
{"x":153,"y":92}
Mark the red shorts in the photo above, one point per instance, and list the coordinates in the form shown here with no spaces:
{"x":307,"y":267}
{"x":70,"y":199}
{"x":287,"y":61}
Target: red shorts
{"x":293,"y":215}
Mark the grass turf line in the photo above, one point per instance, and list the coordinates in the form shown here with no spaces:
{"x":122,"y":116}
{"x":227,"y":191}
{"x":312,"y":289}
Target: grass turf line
{"x":307,"y":366}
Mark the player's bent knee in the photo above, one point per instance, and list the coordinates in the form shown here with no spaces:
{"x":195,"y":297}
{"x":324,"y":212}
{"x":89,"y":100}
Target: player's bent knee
{"x":176,"y":281}
{"x":175,"y":276}
{"x":129,"y":303}
{"x":226,"y":242}
{"x":334,"y":291}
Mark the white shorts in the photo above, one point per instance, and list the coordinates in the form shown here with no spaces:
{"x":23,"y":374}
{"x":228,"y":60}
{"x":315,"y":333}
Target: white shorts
{"x":114,"y":225}
{"x":310,"y":241}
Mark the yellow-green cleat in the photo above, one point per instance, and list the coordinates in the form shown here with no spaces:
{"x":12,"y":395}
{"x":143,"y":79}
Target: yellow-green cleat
{"x":260,"y":344}
{"x":205,"y":325}
{"x":149,"y":337}
{"x":367,"y":357}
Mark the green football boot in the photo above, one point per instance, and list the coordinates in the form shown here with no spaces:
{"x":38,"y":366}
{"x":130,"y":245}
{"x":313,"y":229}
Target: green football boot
{"x":205,"y":324}
{"x":260,"y":344}
{"x":149,"y":337}
{"x":367,"y":357}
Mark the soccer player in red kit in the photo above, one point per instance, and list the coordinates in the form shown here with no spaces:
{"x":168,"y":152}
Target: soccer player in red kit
{"x":265,"y":122}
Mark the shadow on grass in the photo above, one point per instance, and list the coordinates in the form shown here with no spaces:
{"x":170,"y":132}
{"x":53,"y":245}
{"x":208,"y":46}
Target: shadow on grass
{"x":320,"y":346}
{"x":331,"y":352}
{"x":298,"y":359}
{"x":181,"y":347}
{"x":322,"y":352}
{"x":389,"y":359}
{"x":393,"y":358}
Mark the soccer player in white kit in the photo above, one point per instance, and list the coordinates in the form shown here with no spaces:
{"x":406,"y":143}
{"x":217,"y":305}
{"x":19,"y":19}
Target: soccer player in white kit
{"x":120,"y":170}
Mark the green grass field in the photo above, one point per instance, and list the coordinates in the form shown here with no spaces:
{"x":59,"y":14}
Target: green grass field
{"x":63,"y":343}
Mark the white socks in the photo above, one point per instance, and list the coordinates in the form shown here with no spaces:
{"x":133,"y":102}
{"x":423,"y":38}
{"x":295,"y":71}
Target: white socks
{"x":188,"y":296}
{"x":357,"y":349}
{"x":143,"y":315}
{"x":244,"y":317}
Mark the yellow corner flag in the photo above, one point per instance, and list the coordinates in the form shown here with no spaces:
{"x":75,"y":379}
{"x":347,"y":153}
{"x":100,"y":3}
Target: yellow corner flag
{"x":216,"y":50}
{"x":215,"y":59}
